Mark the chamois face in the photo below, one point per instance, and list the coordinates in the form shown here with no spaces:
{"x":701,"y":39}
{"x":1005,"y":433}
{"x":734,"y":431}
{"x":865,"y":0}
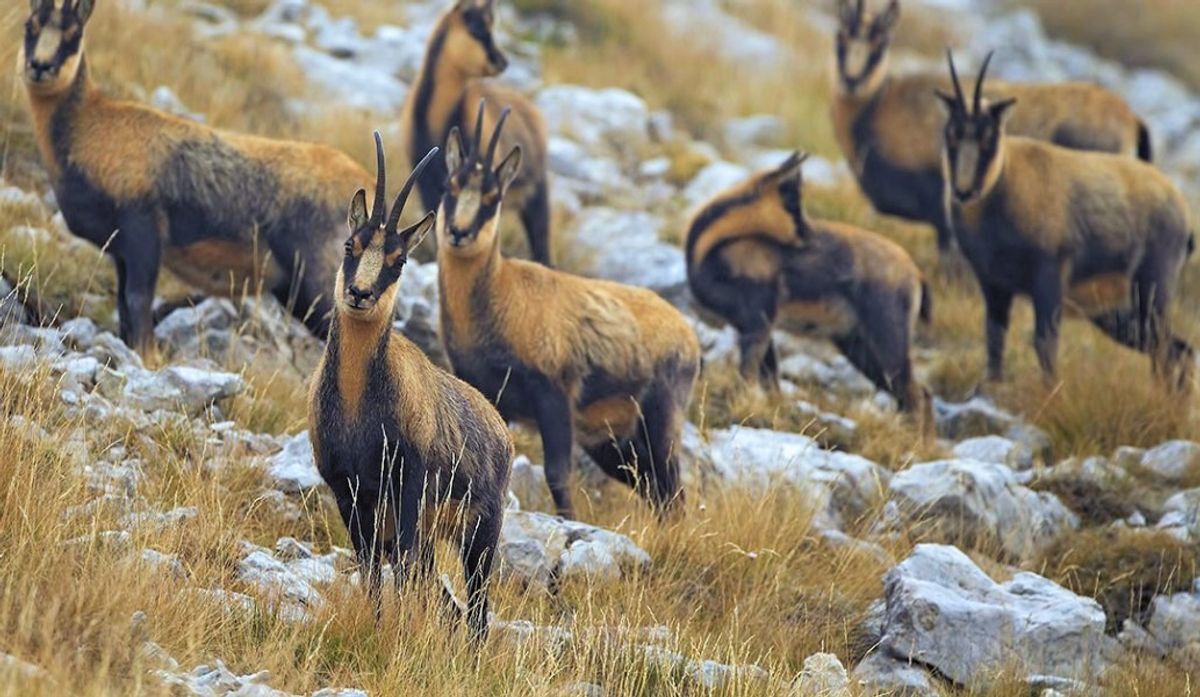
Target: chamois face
{"x":470,"y":212}
{"x":376,"y":251}
{"x":863,"y":40}
{"x":53,"y":43}
{"x":470,"y":42}
{"x":973,"y":139}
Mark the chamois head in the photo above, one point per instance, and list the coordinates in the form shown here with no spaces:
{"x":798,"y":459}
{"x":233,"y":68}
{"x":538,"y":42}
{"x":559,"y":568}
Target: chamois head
{"x":863,"y":40}
{"x":54,"y":43}
{"x":470,"y":44}
{"x":376,"y":251}
{"x":974,"y":137}
{"x":475,"y":188}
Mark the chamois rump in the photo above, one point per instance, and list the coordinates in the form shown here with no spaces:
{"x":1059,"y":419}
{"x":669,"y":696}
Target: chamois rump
{"x":604,"y":365}
{"x":411,"y":452}
{"x":461,"y":53}
{"x":224,"y":211}
{"x":889,"y":126}
{"x":756,"y":260}
{"x":1104,"y":235}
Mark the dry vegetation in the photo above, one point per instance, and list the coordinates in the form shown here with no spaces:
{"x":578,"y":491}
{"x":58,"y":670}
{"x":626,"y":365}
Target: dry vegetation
{"x":1150,"y":33}
{"x":737,"y":579}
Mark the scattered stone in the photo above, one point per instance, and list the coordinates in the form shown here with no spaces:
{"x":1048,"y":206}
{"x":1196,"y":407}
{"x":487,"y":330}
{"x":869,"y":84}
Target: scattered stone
{"x":108,"y":540}
{"x":971,"y":503}
{"x":624,"y":246}
{"x":294,"y":469}
{"x":980,"y":417}
{"x":881,"y":674}
{"x":709,"y":675}
{"x":944,"y":611}
{"x":1182,"y":515}
{"x":25,"y":669}
{"x":1175,"y":626}
{"x":604,"y":121}
{"x":713,"y":179}
{"x":167,"y":564}
{"x":187,"y":389}
{"x":263,"y":571}
{"x":541,"y":549}
{"x":823,"y":676}
{"x":218,"y":681}
{"x":760,"y":130}
{"x":996,"y":450}
{"x":1174,"y":461}
{"x":840,"y":486}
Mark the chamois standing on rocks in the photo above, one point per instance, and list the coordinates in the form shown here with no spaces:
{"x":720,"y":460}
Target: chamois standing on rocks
{"x":410,"y":452}
{"x":889,"y":126}
{"x":756,"y":260}
{"x":224,"y":211}
{"x":1102,"y":234}
{"x":604,"y":365}
{"x":461,"y":52}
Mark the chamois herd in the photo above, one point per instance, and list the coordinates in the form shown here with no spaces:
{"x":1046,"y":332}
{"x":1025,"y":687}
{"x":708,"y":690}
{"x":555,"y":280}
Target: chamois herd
{"x":1046,"y":190}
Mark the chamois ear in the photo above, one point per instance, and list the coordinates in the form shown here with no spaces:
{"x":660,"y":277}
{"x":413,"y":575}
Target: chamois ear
{"x":358,"y":216}
{"x":788,"y":171}
{"x":508,"y":169}
{"x":83,"y":10}
{"x":890,"y":16}
{"x":948,"y":101}
{"x":999,"y":110}
{"x":846,"y":13}
{"x":454,"y":150}
{"x":412,"y":237}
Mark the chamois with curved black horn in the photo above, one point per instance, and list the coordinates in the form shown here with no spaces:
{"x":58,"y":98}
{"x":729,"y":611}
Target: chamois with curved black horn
{"x":756,"y":260}
{"x":889,"y":126}
{"x":1103,"y":235}
{"x":411,"y":452}
{"x":225,"y":212}
{"x":602,"y":365}
{"x":461,"y":53}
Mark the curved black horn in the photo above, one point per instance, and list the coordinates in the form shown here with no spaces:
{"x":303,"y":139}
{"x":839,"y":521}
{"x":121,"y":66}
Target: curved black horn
{"x":979,"y":82}
{"x":491,"y":154}
{"x":402,"y":197}
{"x":859,"y":10}
{"x":958,"y":91}
{"x":377,"y":210}
{"x":477,"y":143}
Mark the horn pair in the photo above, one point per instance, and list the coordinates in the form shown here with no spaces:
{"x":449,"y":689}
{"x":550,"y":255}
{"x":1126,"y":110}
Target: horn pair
{"x":378,"y":210}
{"x":495,"y":141}
{"x":958,"y":90}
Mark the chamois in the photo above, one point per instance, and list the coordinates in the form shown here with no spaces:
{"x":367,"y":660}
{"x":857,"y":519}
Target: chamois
{"x":604,"y":365}
{"x":756,"y":260}
{"x":1105,"y":235}
{"x":223,"y":211}
{"x":461,"y":52}
{"x":410,"y":451}
{"x":889,"y":126}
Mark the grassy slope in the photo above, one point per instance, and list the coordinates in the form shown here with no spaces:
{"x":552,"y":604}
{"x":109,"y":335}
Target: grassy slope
{"x":731,"y":586}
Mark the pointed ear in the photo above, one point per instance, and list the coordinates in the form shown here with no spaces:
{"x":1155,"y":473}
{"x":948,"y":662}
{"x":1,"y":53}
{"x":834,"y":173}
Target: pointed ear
{"x":1000,"y":110}
{"x":83,"y":10}
{"x":412,"y":237}
{"x":948,"y":101}
{"x":890,"y":16}
{"x":789,"y":170}
{"x":846,"y":13}
{"x":508,"y":169}
{"x":358,"y":217}
{"x":454,"y":150}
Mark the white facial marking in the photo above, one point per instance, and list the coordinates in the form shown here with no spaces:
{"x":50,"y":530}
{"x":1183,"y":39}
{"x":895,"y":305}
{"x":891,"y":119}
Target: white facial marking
{"x":858,"y":55}
{"x":965,"y":166}
{"x":370,"y":264}
{"x":466,"y":209}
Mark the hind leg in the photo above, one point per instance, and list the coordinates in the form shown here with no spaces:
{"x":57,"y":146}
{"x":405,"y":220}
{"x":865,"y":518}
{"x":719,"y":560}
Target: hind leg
{"x":478,"y":554}
{"x":657,"y":447}
{"x":758,"y":359}
{"x":535,"y":216}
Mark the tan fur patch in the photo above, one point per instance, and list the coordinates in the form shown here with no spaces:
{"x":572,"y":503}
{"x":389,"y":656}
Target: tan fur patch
{"x":765,"y":217}
{"x":1099,"y":294}
{"x":752,"y":260}
{"x":612,"y":417}
{"x":223,"y":268}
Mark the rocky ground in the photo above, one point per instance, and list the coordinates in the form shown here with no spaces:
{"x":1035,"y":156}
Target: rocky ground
{"x":972,"y":604}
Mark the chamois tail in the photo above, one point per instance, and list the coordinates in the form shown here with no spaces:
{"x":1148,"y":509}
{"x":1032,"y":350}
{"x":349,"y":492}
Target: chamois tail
{"x":1145,"y":147}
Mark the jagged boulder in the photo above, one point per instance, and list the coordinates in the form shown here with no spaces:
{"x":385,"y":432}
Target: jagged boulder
{"x":541,"y":549}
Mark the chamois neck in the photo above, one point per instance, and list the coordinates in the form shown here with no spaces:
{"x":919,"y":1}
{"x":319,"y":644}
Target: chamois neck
{"x":52,"y":114}
{"x":352,"y":349}
{"x":437,"y":77}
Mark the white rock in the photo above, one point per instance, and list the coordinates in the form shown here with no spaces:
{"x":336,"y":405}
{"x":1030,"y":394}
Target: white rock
{"x":340,"y":692}
{"x":709,"y":675}
{"x":624,"y":246}
{"x":17,"y":358}
{"x":944,"y":612}
{"x":540,"y":549}
{"x":219,"y":681}
{"x":712,"y":180}
{"x":190,"y":390}
{"x":979,"y":502}
{"x":836,"y":374}
{"x":294,"y":469}
{"x":1175,"y":621}
{"x":880,"y":674}
{"x":1182,"y":513}
{"x":262,"y":570}
{"x":12,"y":665}
{"x":760,"y":130}
{"x":351,"y":83}
{"x":605,"y":120}
{"x":825,"y":676}
{"x":980,"y":417}
{"x":839,"y":486}
{"x":996,"y":450}
{"x":160,"y":562}
{"x":1173,"y":461}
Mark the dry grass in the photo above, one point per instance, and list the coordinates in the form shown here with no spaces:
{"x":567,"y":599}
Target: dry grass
{"x":1152,"y":33}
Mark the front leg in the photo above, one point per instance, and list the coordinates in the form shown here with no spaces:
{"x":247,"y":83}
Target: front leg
{"x":998,"y":306}
{"x":137,"y":252}
{"x":553,"y":411}
{"x":359,"y":519}
{"x":412,"y":472}
{"x":1047,"y":311}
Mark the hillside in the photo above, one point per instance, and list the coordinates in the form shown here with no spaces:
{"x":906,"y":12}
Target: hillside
{"x":163,"y":529}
